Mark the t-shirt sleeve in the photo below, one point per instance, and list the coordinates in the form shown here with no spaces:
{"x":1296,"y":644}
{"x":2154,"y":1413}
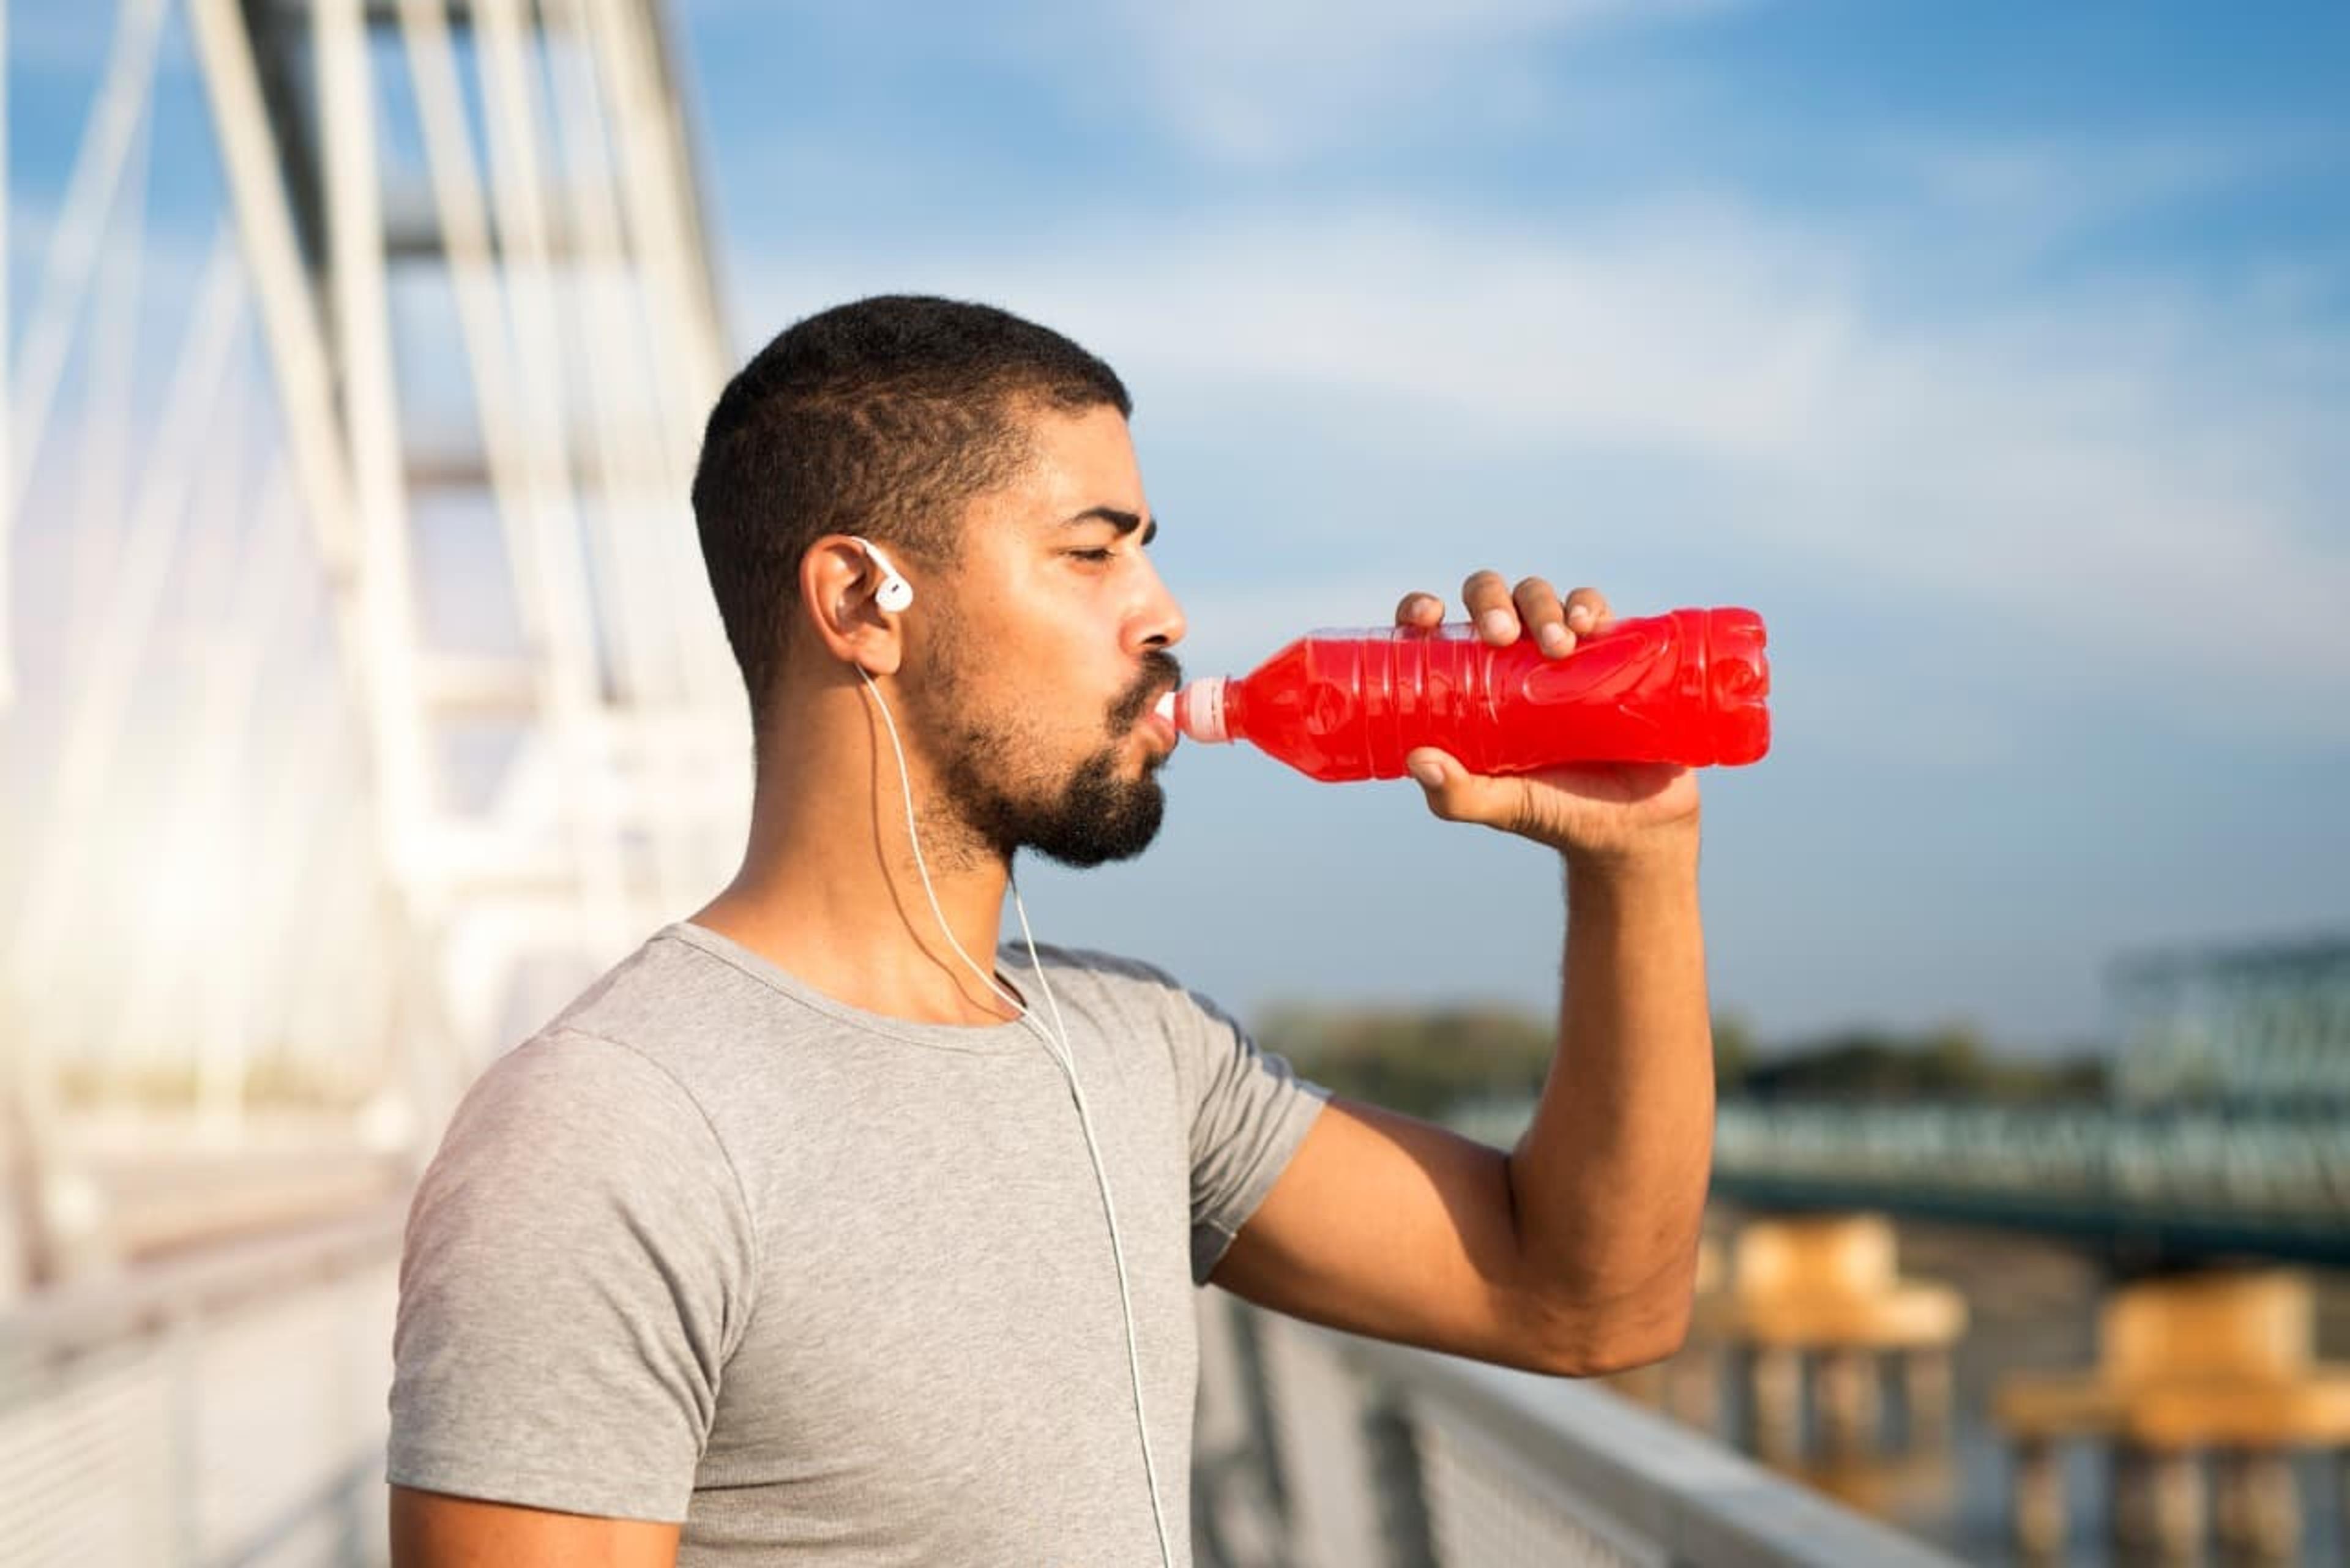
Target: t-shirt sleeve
{"x":578,"y":1265}
{"x":1252,"y":1111}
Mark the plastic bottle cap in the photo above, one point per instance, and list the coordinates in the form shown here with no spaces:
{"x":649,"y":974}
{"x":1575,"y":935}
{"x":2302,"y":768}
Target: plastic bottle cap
{"x":1199,"y":710}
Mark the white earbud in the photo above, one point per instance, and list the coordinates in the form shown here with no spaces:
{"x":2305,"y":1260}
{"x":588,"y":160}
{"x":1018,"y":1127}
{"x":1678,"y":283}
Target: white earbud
{"x":895,"y":593}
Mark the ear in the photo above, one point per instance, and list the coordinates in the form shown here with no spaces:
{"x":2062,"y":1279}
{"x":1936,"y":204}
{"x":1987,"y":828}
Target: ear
{"x":840,"y":584}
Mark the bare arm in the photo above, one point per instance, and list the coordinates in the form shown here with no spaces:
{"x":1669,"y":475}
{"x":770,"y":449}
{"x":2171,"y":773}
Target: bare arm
{"x":1610,"y":1176}
{"x":1576,"y":1253}
{"x":433,"y":1529}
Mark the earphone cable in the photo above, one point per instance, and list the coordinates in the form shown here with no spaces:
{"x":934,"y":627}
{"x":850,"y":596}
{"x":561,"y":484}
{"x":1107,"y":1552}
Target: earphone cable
{"x":1110,"y":1212}
{"x":1064,"y":1056}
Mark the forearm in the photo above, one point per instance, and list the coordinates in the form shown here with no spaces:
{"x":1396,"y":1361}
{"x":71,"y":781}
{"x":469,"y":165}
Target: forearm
{"x":1609,"y":1179}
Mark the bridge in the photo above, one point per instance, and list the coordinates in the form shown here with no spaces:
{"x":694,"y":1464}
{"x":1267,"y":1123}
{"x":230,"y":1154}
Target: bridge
{"x":2226,"y":1132}
{"x":358,"y":700}
{"x":2145,"y":1187}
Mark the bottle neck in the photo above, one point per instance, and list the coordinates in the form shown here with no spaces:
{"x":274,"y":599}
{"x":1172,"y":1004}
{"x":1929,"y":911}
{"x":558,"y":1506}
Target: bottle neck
{"x":1204,"y":710}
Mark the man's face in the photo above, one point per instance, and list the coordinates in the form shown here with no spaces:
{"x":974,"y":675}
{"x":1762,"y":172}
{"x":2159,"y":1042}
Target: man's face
{"x":1037,"y":667}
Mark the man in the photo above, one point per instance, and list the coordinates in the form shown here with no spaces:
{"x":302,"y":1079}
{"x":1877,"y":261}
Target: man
{"x":802,"y":1239}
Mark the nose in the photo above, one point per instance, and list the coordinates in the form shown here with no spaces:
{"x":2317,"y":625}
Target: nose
{"x":1157,"y":620}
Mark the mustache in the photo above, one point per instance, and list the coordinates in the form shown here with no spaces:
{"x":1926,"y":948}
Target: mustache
{"x":1162,"y":672}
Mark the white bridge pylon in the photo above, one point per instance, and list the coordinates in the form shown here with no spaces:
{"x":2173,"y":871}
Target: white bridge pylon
{"x":354,"y":658}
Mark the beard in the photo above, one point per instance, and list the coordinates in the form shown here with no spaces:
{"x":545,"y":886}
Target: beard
{"x":995,"y":786}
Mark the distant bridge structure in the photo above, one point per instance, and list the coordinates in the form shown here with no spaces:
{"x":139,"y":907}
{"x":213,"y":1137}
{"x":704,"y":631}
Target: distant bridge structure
{"x":2147,"y":1188}
{"x":2226,"y":1134}
{"x":2268,"y":1024}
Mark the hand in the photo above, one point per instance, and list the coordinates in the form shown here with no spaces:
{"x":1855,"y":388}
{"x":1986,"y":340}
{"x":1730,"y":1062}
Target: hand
{"x":1593,"y":813}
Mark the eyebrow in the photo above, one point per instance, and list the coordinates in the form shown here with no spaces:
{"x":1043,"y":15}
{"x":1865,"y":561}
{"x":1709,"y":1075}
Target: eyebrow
{"x":1124,"y":522}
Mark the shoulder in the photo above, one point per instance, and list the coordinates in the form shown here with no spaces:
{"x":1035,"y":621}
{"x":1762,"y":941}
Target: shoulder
{"x":1130,"y":1001}
{"x":574,"y":1159}
{"x":619,"y":1094}
{"x":1114,"y":981}
{"x":570,"y":1111}
{"x":676,"y":988}
{"x":713,"y":1020}
{"x":567,"y":1074}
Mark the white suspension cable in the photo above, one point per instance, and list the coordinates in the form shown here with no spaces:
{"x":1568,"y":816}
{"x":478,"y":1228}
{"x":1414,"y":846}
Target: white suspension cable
{"x":67,"y":271}
{"x":32,"y":383}
{"x":99,"y":709}
{"x":104,"y":462}
{"x":8,"y":404}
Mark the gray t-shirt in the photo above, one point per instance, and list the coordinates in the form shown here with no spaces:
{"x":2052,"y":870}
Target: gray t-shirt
{"x":831,"y":1287}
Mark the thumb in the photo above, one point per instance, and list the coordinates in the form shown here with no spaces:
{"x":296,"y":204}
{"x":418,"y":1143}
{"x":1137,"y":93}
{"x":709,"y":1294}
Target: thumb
{"x":1453,"y":791}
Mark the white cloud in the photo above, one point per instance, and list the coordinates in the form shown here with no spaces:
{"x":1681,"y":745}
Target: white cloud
{"x":1268,"y":81}
{"x":1985,"y":212}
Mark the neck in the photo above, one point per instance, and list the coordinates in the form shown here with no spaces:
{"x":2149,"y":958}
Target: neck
{"x":831,"y":890}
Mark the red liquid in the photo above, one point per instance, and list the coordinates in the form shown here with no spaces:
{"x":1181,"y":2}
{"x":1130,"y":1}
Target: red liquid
{"x":1686,"y":688}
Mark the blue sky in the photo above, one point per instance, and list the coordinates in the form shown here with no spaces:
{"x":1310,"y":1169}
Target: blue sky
{"x":1995,"y":353}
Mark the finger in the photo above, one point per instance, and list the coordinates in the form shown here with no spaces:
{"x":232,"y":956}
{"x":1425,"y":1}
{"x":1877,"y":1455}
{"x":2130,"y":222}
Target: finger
{"x":1587,"y":611}
{"x":1456,"y":794}
{"x":1487,"y":597}
{"x":1544,"y":616}
{"x":1423,"y":611}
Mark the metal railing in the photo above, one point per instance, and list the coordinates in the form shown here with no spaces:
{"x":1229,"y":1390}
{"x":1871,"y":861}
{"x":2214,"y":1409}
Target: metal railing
{"x":1319,"y":1451}
{"x":226,"y":1411}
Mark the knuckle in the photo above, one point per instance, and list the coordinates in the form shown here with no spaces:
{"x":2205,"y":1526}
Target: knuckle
{"x":1525,"y":813}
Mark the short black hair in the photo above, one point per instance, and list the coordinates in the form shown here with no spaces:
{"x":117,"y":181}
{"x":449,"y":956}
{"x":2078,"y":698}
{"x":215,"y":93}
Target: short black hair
{"x":884,"y":417}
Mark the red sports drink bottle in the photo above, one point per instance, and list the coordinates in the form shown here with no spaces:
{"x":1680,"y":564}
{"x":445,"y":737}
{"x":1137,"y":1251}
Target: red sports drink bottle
{"x":1686,"y":688}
